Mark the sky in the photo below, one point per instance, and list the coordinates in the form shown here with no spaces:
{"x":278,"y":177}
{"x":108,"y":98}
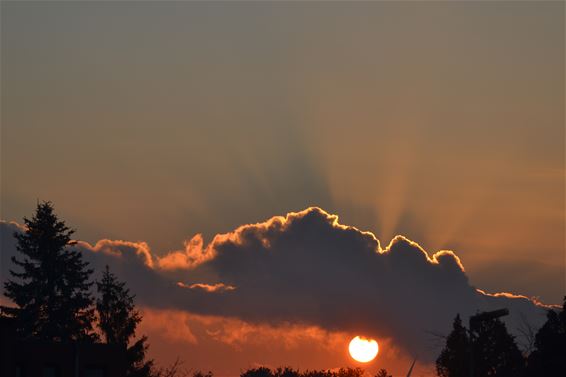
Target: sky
{"x":153,"y":122}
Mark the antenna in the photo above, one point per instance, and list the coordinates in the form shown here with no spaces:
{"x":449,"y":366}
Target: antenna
{"x":412,"y":365}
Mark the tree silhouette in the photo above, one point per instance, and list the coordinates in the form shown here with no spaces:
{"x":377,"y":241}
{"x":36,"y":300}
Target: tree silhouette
{"x":549,"y":355}
{"x":257,"y":372}
{"x":383,"y":373}
{"x":454,"y":360}
{"x":349,"y":372}
{"x":118,"y":317}
{"x":495,"y":352}
{"x":286,"y":372}
{"x":487,"y":350}
{"x":51,"y":291}
{"x":118,"y":320}
{"x":289,"y":372}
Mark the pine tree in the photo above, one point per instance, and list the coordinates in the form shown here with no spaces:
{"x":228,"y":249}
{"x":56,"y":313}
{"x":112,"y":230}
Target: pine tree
{"x":488,"y":345}
{"x":118,"y":317}
{"x":495,"y":351}
{"x":118,"y":320}
{"x":548,"y":358}
{"x":51,"y":290}
{"x":454,"y":360}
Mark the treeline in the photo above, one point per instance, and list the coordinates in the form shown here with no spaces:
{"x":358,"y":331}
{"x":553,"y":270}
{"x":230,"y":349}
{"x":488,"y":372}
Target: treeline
{"x":290,"y":372}
{"x":284,"y":372}
{"x":486,"y":349}
{"x":51,"y":288}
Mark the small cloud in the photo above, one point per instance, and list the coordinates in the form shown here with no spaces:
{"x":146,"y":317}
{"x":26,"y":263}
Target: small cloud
{"x":218,"y":287}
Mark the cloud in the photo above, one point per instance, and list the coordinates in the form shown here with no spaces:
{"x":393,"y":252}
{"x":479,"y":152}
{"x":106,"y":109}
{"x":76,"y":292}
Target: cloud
{"x":229,"y":345}
{"x":171,"y":324}
{"x":193,"y":255}
{"x":134,"y":251}
{"x":176,"y":325}
{"x":307,"y":269}
{"x":218,"y":287}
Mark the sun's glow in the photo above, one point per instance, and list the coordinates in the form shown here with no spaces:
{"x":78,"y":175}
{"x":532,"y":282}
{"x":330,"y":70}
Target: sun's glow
{"x":363,"y":349}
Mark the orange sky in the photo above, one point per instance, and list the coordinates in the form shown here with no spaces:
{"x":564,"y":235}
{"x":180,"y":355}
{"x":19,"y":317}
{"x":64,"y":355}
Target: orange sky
{"x":156,"y":121}
{"x":293,"y":290}
{"x":203,"y":341}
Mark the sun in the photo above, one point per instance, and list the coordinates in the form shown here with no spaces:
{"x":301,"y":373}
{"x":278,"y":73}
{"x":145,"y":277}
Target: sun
{"x":363,"y":349}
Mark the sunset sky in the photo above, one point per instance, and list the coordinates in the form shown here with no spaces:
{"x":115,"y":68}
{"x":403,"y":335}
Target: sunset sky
{"x":153,"y":122}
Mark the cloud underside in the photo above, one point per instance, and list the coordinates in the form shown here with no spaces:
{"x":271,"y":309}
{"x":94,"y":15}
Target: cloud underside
{"x":305,"y":269}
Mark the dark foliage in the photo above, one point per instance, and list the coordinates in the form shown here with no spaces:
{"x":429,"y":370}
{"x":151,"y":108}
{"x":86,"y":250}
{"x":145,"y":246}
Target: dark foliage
{"x":549,"y":355}
{"x":488,"y":349}
{"x":289,"y":372}
{"x":454,"y":361}
{"x":495,"y":352}
{"x":383,"y":373}
{"x":51,"y":290}
{"x":118,"y":319}
{"x":286,"y":372}
{"x":257,"y":372}
{"x":138,"y":364}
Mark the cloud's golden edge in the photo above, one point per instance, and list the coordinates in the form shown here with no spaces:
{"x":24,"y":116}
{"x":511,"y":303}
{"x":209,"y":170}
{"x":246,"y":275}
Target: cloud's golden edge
{"x":195,"y":253}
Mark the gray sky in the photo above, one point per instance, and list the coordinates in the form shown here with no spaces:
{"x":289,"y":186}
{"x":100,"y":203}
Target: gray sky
{"x":154,"y":121}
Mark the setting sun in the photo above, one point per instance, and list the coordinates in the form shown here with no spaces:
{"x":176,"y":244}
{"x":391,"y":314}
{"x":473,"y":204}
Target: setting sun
{"x":363,"y":349}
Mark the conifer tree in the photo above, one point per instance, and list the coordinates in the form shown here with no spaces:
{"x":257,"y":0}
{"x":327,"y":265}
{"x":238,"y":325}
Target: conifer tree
{"x":51,"y":287}
{"x":487,"y":350}
{"x":549,"y":355}
{"x":118,"y":320}
{"x":495,"y":351}
{"x":454,"y":360}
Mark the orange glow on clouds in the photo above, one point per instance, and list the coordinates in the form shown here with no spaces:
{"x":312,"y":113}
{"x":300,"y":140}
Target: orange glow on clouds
{"x":193,"y":255}
{"x":199,"y":339}
{"x":219,"y":287}
{"x":176,"y":325}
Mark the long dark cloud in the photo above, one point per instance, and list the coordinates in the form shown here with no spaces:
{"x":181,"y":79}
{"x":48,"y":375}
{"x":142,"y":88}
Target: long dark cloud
{"x":307,"y":268}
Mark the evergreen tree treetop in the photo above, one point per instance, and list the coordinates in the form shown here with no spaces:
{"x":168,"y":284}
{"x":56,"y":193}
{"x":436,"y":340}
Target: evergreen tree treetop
{"x":454,"y":361}
{"x":548,"y":357}
{"x":487,"y":349}
{"x":51,"y":285}
{"x":118,"y":320}
{"x":118,"y":317}
{"x":495,"y":351}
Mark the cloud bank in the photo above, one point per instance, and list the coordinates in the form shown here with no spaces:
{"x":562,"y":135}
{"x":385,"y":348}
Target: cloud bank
{"x":306,"y":269}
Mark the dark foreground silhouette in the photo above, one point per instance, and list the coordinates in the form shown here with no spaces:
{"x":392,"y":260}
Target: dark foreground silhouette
{"x":62,"y":324}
